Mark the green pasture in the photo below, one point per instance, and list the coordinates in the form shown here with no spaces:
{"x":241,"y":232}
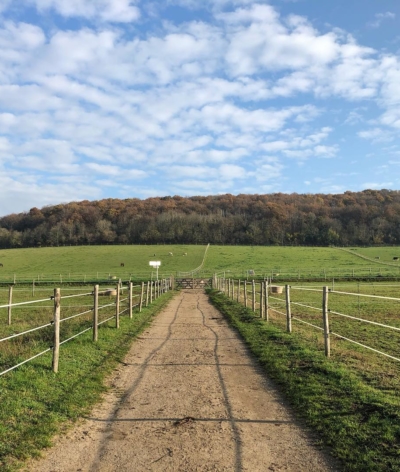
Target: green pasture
{"x":378,"y":255}
{"x":345,"y":301}
{"x":93,"y":263}
{"x":294,"y":262}
{"x":76,"y":316}
{"x":347,"y":306}
{"x":102,"y":263}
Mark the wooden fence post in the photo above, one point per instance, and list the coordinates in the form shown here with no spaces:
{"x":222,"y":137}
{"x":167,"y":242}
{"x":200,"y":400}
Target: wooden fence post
{"x":96,"y":313}
{"x":233,"y":289}
{"x":151,"y":292}
{"x":245,"y":293}
{"x":262,"y":299}
{"x":147,"y":293}
{"x":288,"y":310}
{"x":56,"y":321}
{"x":117,"y":307}
{"x":141,"y":297}
{"x":266,"y":301}
{"x":326,"y":321}
{"x":33,"y":287}
{"x":238,"y":292}
{"x":253,"y":286}
{"x":130,"y":295}
{"x":10,"y":297}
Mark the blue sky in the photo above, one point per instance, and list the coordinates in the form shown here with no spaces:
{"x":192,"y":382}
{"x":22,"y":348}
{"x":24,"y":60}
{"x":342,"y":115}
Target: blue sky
{"x":126,"y":98}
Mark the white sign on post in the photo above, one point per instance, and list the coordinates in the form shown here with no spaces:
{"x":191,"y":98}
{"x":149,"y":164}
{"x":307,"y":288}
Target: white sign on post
{"x":155,"y":264}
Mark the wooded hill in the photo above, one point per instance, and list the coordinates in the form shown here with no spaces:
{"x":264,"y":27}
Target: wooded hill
{"x":369,"y":217}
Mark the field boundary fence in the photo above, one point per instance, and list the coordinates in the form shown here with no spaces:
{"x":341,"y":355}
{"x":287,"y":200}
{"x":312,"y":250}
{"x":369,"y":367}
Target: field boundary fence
{"x":375,"y":271}
{"x":143,"y":294}
{"x":263,"y":298}
{"x":197,"y":269}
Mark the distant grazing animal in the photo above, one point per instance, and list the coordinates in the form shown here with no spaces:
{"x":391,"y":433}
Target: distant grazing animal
{"x":122,"y":264}
{"x":170,"y":254}
{"x":1,"y":265}
{"x":154,"y":254}
{"x":395,"y":258}
{"x":185,"y":253}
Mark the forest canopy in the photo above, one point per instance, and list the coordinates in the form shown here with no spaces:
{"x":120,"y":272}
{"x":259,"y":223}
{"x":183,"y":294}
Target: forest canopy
{"x":370,"y":217}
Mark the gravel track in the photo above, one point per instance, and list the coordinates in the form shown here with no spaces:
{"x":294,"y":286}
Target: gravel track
{"x":188,"y":397}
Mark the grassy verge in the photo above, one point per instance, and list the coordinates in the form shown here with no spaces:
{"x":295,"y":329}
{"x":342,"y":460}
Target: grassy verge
{"x":357,"y":421}
{"x":36,"y":403}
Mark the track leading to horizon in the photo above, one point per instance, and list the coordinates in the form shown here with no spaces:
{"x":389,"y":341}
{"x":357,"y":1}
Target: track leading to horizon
{"x":188,"y":397}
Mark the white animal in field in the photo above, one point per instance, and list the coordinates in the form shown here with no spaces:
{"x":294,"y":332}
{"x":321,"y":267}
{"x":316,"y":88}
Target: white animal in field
{"x":185,"y":254}
{"x":170,"y":254}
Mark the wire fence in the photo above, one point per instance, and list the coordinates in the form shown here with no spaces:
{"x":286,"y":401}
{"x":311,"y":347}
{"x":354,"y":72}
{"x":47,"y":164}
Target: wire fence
{"x":197,"y":269}
{"x":39,"y":329}
{"x":372,"y":269}
{"x":368,"y":321}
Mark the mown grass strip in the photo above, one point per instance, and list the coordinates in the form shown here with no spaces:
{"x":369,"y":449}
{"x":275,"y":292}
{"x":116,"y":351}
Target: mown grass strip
{"x":36,"y":403}
{"x":359,"y":423}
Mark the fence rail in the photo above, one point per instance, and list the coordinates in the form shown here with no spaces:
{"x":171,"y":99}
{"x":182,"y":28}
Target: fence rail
{"x":377,"y":269}
{"x":261,"y":301}
{"x":148,"y":292}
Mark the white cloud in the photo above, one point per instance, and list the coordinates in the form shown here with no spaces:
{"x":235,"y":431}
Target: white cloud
{"x":184,"y":100}
{"x":376,"y":135}
{"x":380,"y":17}
{"x":21,"y":191}
{"x":326,"y":151}
{"x":230,"y":171}
{"x":378,"y":185}
{"x":120,"y":11}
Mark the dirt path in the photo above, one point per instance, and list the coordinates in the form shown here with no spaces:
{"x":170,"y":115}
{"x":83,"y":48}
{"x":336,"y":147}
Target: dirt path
{"x":188,"y":398}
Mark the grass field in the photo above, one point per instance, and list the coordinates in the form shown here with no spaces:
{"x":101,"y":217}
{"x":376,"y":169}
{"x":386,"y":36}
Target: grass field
{"x":84,"y":263}
{"x":96,"y":262}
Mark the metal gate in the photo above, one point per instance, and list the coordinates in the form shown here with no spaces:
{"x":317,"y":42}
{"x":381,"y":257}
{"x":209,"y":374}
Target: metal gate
{"x":190,"y":282}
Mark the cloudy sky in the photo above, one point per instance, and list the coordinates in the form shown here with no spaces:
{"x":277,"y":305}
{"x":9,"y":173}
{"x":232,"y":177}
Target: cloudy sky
{"x":140,"y":98}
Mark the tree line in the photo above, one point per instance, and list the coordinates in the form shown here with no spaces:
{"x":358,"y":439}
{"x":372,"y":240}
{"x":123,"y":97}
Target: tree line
{"x":370,"y":217}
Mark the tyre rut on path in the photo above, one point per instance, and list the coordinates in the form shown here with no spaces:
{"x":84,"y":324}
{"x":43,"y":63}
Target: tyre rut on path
{"x":188,"y":397}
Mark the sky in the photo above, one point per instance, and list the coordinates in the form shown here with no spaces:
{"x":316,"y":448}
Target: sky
{"x":137,"y":99}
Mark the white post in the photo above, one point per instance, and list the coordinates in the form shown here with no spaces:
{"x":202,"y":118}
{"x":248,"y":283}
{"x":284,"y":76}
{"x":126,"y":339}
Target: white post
{"x":10,"y":296}
{"x":326,"y":321}
{"x":288,"y":310}
{"x":95,"y":313}
{"x":56,"y":347}
{"x":130,"y":294}
{"x":117,"y":307}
